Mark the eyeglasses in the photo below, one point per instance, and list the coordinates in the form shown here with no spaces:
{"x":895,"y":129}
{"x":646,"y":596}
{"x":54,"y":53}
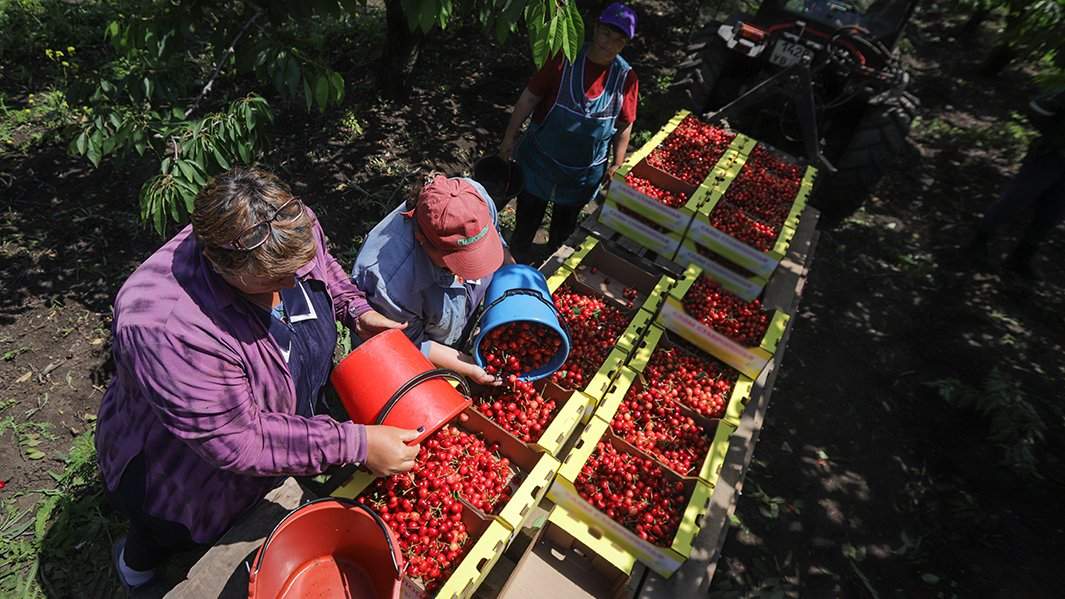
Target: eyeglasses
{"x":257,"y":234}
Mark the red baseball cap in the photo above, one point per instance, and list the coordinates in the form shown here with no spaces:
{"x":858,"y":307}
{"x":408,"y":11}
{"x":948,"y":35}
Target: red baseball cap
{"x":455,"y":228}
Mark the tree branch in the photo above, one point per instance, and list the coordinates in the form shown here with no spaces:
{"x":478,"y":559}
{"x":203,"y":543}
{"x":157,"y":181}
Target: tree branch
{"x":222,"y":61}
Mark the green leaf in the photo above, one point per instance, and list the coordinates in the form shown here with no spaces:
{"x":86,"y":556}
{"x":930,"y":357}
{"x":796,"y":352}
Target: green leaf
{"x":292,"y":77}
{"x":164,"y":168}
{"x":445,"y":13}
{"x":574,"y":31}
{"x":410,"y":9}
{"x":321,"y":92}
{"x":245,"y":152}
{"x":930,"y":578}
{"x":427,"y":14}
{"x":336,"y":81}
{"x":93,"y":153}
{"x":82,"y":143}
{"x":34,"y":454}
{"x":308,"y":95}
{"x":148,"y":85}
{"x":534,"y":20}
{"x":187,"y":170}
{"x":222,"y":162}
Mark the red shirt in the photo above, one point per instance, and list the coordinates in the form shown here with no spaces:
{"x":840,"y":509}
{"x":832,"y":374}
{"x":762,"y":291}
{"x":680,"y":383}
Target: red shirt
{"x":546,"y":81}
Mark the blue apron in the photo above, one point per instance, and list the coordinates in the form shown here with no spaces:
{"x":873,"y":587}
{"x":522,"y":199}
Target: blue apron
{"x":307,"y":337}
{"x":563,"y":158}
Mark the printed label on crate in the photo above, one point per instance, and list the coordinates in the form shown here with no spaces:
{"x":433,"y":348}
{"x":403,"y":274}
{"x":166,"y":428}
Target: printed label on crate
{"x":733,"y":249}
{"x":660,"y":213}
{"x":660,"y":559}
{"x":741,"y":358}
{"x":637,"y":231}
{"x":747,"y":289}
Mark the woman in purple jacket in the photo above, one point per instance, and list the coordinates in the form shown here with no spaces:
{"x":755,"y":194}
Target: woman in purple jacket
{"x":223,"y":343}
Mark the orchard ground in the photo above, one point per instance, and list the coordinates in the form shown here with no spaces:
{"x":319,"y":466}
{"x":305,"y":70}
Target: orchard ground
{"x":913,"y":445}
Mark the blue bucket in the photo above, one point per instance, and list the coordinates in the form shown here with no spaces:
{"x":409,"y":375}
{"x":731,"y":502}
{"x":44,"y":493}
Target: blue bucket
{"x":519,"y":293}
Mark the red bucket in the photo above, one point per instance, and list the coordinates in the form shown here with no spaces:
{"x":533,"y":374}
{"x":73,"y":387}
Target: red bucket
{"x":387,"y":380}
{"x":329,"y":547}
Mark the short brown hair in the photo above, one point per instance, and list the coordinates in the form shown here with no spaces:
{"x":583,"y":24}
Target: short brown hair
{"x":238,"y":199}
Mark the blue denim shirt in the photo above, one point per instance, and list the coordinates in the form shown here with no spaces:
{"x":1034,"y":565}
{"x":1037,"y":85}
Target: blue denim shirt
{"x":402,"y":283}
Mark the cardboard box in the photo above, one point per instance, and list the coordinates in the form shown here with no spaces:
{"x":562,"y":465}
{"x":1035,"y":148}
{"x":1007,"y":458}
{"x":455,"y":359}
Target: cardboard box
{"x":639,"y":320}
{"x":535,"y":470}
{"x":603,"y":271}
{"x":560,"y":565}
{"x":750,"y":360}
{"x":595,"y":524}
{"x":716,"y":430}
{"x":759,"y":262}
{"x":659,"y":338}
{"x":664,"y":244}
{"x":731,"y":277}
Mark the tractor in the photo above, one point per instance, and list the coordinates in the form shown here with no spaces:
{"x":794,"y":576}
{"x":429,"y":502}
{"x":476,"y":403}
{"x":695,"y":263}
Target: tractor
{"x":819,"y":77}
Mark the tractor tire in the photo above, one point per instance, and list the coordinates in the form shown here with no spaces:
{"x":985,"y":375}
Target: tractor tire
{"x":879,"y":137}
{"x":700,"y":74}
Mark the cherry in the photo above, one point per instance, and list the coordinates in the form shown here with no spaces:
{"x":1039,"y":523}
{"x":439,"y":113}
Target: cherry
{"x":691,"y":150}
{"x":519,"y":348}
{"x":422,"y":506}
{"x":594,"y":327}
{"x":644,"y":186}
{"x":743,"y":322}
{"x":634,"y":491}
{"x":700,"y":383}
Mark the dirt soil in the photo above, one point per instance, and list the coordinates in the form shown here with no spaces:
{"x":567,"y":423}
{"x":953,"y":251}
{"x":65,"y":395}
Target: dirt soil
{"x":866,"y":483}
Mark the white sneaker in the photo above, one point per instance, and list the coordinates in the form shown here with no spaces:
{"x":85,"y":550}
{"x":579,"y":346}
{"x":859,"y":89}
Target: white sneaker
{"x":130,"y":578}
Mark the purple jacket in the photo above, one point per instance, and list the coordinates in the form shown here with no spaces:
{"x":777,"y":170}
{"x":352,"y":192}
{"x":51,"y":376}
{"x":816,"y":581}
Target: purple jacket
{"x":202,"y":390}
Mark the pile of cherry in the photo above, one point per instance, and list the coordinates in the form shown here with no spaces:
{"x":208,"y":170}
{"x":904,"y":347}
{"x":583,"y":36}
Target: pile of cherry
{"x":517,"y":408}
{"x":701,"y":384}
{"x":649,"y":189}
{"x":690,"y":152}
{"x":423,"y":509}
{"x":510,"y":351}
{"x":634,"y":491}
{"x":519,"y":348}
{"x":743,"y":322}
{"x":758,"y":200}
{"x":594,"y":326}
{"x":650,"y":420}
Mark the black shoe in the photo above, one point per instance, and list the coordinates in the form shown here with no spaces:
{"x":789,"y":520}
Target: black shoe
{"x":1022,"y":267}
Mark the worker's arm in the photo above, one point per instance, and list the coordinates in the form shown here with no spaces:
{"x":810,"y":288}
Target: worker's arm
{"x":452,"y":359}
{"x":621,"y":145}
{"x":526,"y":104}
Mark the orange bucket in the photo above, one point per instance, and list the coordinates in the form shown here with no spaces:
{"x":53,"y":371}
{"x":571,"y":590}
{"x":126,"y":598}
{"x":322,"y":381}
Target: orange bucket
{"x":387,"y":380}
{"x":329,"y":547}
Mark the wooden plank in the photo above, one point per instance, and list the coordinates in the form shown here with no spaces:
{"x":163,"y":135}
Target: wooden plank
{"x":221,"y":572}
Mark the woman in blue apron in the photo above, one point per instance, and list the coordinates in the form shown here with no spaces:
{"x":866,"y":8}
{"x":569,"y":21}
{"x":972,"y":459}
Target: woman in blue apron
{"x":578,"y":110}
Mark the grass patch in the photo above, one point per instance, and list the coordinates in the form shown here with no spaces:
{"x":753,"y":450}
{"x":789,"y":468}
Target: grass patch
{"x":59,"y":546}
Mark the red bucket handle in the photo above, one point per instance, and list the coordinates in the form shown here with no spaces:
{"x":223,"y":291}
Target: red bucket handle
{"x":436,"y":373}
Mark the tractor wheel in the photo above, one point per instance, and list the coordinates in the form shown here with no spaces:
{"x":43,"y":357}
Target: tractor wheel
{"x":701,"y":74}
{"x":879,"y":136}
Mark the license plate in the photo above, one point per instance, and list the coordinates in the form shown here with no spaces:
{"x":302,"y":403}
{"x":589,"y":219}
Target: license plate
{"x":787,"y":53}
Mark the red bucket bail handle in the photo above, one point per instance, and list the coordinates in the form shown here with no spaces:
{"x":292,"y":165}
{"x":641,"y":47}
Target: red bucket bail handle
{"x":416,"y":380}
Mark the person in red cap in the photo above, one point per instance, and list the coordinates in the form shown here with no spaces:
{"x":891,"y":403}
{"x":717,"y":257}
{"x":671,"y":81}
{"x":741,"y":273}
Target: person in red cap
{"x":582,"y":116}
{"x":428,"y":265}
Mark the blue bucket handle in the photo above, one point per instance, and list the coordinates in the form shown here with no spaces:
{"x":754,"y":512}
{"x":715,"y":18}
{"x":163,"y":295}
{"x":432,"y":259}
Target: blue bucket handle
{"x":530,"y":293}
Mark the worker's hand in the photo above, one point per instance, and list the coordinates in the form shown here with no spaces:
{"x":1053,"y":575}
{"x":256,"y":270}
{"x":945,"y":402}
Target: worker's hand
{"x":373,"y":322}
{"x":608,"y":175}
{"x":477,"y":374}
{"x":506,"y":148}
{"x":387,"y":451}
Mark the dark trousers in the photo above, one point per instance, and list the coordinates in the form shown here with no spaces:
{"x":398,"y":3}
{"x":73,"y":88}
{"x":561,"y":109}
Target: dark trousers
{"x":151,"y":541}
{"x":1039,"y":183}
{"x":530,"y":214}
